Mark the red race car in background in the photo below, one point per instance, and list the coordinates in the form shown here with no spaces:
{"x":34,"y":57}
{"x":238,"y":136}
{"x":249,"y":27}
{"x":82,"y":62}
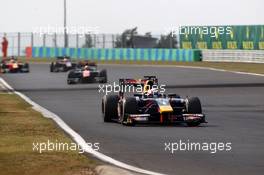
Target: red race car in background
{"x":12,"y":65}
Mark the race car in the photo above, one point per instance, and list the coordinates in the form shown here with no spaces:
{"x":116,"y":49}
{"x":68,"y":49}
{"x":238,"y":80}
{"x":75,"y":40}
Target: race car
{"x":150,"y":106}
{"x":62,"y":64}
{"x":87,"y":72}
{"x":83,"y":63}
{"x":12,"y":65}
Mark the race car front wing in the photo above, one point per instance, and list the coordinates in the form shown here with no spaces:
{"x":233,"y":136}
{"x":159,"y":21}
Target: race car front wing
{"x":182,"y":118}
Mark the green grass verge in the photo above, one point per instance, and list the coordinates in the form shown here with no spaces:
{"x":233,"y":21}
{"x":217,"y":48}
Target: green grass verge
{"x":20,"y":127}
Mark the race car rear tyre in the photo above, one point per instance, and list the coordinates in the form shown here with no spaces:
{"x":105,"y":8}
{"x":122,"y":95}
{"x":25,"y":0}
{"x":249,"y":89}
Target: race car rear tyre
{"x":64,"y":68}
{"x":194,"y":107}
{"x":103,"y":75}
{"x":27,"y":67}
{"x":2,"y":70}
{"x":69,"y":82}
{"x":109,"y":107}
{"x":52,"y":67}
{"x":130,"y":107}
{"x":74,"y":65}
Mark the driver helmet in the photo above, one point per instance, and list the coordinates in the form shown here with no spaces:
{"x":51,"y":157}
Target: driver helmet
{"x":12,"y":59}
{"x":152,"y":93}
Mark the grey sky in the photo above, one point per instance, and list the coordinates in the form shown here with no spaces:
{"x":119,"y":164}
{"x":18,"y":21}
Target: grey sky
{"x":113,"y":16}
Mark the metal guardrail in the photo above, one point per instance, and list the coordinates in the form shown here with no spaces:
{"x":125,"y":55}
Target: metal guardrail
{"x":249,"y":56}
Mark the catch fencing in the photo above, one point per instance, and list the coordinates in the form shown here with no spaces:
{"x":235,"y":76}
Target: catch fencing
{"x":18,"y":42}
{"x":249,"y":56}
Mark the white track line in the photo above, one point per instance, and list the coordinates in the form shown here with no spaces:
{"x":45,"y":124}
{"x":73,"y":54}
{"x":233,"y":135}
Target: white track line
{"x":75,"y":136}
{"x":190,"y":67}
{"x":2,"y":86}
{"x":5,"y":88}
{"x":222,"y":70}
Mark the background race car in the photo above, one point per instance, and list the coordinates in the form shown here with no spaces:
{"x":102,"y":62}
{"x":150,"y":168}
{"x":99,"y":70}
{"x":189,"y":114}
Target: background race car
{"x":12,"y":65}
{"x":150,"y":106}
{"x":87,"y":72}
{"x":62,"y":64}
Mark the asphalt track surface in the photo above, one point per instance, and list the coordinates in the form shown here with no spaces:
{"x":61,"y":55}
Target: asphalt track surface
{"x":233,"y":103}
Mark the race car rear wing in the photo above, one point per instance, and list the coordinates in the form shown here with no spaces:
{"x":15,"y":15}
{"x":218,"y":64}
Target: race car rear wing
{"x":63,"y":57}
{"x":136,"y":82}
{"x":87,"y":63}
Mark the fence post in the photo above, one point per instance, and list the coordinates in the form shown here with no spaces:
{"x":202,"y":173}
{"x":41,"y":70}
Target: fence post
{"x":18,"y":44}
{"x":171,"y":40}
{"x":77,"y":40}
{"x":113,"y":41}
{"x":55,"y":40}
{"x":32,"y":40}
{"x":44,"y":40}
{"x":103,"y":40}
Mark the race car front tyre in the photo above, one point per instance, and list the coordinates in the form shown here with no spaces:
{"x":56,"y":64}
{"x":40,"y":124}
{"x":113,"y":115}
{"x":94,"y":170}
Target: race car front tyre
{"x":2,"y":70}
{"x":103,"y":76}
{"x":130,"y":107}
{"x":65,"y":68}
{"x":109,"y":107}
{"x":69,"y":82}
{"x":26,"y":66}
{"x":194,"y":107}
{"x":74,"y":65}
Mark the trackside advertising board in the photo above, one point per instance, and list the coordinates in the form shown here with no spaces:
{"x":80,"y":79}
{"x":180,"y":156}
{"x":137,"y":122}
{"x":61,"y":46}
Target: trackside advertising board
{"x":243,"y":37}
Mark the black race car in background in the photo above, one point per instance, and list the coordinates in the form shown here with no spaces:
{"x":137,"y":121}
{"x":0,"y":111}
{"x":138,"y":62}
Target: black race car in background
{"x":150,"y":106}
{"x":13,"y":65}
{"x":87,"y":72}
{"x":62,"y":64}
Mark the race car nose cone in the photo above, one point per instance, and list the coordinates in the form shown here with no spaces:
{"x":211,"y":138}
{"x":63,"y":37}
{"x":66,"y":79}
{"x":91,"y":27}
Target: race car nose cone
{"x":165,"y":109}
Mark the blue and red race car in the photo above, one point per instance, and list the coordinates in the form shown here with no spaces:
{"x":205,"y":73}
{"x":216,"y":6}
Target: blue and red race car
{"x":151,"y":106}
